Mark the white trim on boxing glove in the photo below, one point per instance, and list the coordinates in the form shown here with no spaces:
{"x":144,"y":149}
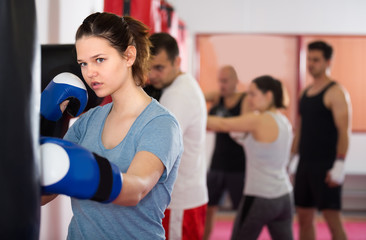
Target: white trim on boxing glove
{"x":56,"y":166}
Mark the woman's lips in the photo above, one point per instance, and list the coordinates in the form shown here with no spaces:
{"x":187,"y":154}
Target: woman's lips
{"x":95,"y":85}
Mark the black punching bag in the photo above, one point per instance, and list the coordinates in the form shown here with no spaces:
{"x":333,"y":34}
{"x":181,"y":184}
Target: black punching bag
{"x":19,"y":121}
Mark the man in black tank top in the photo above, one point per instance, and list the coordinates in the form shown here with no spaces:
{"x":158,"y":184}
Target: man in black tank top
{"x":226,"y":172}
{"x":321,"y":140}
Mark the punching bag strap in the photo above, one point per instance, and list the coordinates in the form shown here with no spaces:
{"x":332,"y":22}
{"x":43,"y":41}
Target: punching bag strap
{"x":126,"y":8}
{"x":169,"y":9}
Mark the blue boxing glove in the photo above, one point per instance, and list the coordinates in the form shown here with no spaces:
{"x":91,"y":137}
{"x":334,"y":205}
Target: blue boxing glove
{"x":64,"y":86}
{"x":72,"y":170}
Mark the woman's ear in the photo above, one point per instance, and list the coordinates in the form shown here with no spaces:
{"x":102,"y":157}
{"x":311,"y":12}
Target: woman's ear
{"x":270,"y":97}
{"x":130,"y":55}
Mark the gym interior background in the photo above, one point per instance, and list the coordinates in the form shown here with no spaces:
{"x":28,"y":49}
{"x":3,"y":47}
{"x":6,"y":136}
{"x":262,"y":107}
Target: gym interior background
{"x":256,"y":37}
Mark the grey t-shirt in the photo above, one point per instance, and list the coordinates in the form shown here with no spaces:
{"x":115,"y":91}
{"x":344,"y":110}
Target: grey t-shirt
{"x":155,"y":131}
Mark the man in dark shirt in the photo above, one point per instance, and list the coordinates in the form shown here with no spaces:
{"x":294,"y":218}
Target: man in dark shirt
{"x":321,"y":140}
{"x":227,"y":168}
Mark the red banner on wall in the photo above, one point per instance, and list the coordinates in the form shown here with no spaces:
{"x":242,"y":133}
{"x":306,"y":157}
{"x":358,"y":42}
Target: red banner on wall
{"x":147,"y":11}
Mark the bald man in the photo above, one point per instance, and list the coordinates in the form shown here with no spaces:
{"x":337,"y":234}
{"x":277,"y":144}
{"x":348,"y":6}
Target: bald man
{"x":226,"y":172}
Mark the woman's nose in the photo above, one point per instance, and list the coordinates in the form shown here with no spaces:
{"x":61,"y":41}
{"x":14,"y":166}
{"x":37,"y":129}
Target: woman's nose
{"x":90,"y":71}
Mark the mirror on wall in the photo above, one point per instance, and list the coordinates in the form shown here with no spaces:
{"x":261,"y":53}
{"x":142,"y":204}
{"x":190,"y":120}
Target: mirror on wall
{"x":284,"y":57}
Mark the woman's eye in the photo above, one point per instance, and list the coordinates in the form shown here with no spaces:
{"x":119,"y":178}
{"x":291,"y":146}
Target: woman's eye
{"x":82,"y":64}
{"x":100,"y":60}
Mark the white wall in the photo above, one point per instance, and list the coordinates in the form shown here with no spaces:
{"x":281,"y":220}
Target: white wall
{"x":355,"y":161}
{"x":230,"y":16}
{"x":267,"y":16}
{"x":58,"y":20}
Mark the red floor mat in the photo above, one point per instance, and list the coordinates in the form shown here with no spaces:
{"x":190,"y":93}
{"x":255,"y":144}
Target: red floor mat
{"x":355,"y":231}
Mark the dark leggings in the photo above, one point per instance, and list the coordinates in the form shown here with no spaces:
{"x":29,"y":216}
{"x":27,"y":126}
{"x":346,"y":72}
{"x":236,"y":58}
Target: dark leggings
{"x":255,"y":212}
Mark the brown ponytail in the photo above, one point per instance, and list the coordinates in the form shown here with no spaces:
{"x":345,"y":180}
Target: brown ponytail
{"x":268,"y":83}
